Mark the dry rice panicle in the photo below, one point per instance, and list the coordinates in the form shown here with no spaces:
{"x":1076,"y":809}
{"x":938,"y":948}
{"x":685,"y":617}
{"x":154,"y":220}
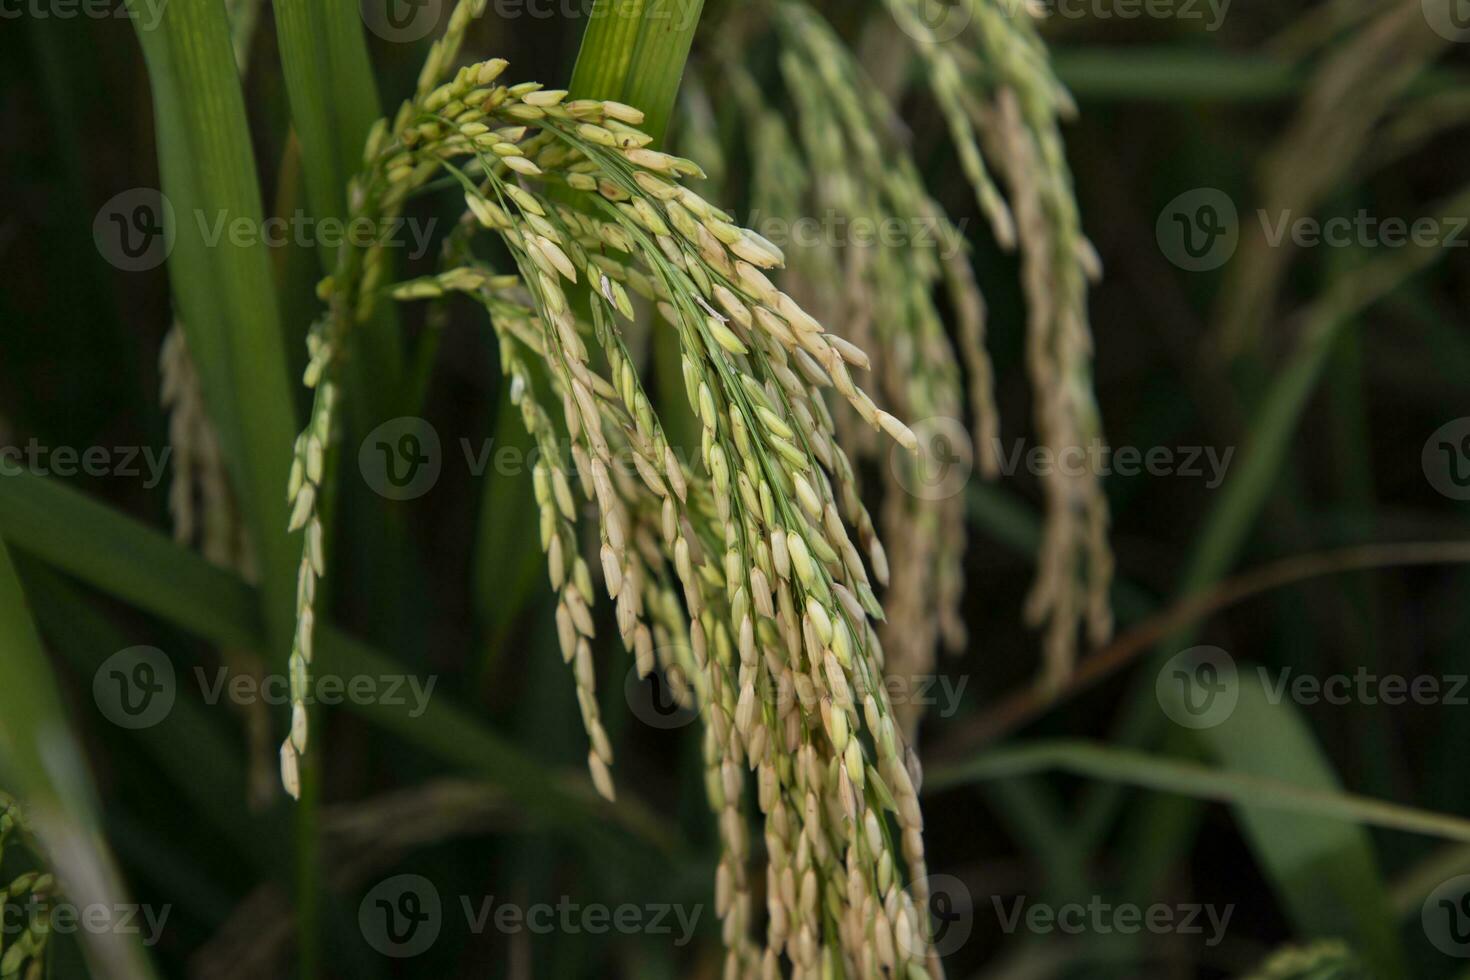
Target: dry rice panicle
{"x":852,"y":159}
{"x":204,"y":509}
{"x":1016,"y":116}
{"x":739,"y":570}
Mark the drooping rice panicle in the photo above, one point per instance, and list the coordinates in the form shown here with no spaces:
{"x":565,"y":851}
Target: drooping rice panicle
{"x":201,"y":499}
{"x":948,"y":84}
{"x":202,"y":502}
{"x":887,"y":295}
{"x":1016,"y":116}
{"x":776,"y":594}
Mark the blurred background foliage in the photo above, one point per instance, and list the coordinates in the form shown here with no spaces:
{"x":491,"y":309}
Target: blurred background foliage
{"x":1325,"y":369}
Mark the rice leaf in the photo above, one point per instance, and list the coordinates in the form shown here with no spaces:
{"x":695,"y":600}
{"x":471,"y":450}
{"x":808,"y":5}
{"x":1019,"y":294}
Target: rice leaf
{"x":42,"y":760}
{"x":223,"y":289}
{"x":334,"y":102}
{"x":1309,"y":798}
{"x":1324,"y":871}
{"x":113,"y":553}
{"x":635,"y":51}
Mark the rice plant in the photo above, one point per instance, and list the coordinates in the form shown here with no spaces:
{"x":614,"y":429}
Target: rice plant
{"x":829,"y":704}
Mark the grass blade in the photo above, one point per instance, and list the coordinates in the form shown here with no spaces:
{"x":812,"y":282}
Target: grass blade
{"x":1131,"y":767}
{"x":42,"y":760}
{"x":224,"y":290}
{"x":606,"y":56}
{"x":1323,"y":870}
{"x":334,"y":102}
{"x":150,"y":571}
{"x":635,"y":51}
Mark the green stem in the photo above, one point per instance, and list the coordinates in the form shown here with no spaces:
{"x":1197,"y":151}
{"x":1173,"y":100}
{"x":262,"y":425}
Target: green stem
{"x":1134,"y":768}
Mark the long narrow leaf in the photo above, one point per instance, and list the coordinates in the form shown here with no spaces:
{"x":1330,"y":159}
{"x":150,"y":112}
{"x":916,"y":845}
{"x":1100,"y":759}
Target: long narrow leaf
{"x":150,"y":571}
{"x":1199,"y":782}
{"x":222,"y":287}
{"x":41,"y":759}
{"x":1323,"y":870}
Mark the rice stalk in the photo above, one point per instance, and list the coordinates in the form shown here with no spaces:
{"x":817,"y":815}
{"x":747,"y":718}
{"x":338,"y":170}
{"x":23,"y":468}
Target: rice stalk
{"x":1017,"y":117}
{"x":852,"y":159}
{"x":849,"y":136}
{"x":1358,"y":90}
{"x":775,"y":630}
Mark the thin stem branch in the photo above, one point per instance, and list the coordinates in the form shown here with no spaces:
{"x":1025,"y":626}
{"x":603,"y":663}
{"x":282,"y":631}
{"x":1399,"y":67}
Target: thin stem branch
{"x":1026,"y":705}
